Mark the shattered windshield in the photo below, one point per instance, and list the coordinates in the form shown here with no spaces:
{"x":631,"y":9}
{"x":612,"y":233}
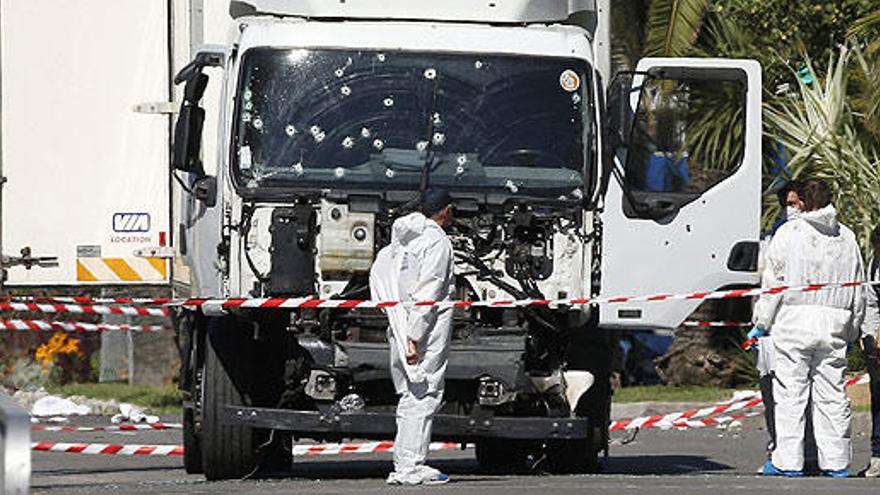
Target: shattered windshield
{"x":388,"y":120}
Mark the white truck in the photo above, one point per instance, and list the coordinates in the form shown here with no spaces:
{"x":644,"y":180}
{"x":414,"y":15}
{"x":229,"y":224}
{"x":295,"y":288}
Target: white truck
{"x":568,"y":182}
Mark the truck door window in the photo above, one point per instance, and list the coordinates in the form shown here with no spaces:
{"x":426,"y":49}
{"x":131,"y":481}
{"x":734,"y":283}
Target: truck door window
{"x":687,"y":136}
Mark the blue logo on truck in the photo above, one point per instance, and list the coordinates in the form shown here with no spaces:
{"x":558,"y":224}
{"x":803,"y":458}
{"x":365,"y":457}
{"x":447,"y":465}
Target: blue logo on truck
{"x":131,"y":222}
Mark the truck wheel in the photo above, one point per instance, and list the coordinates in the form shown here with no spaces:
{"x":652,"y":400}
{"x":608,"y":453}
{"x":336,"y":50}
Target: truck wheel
{"x":192,"y":448}
{"x":502,"y":456}
{"x":227,"y":450}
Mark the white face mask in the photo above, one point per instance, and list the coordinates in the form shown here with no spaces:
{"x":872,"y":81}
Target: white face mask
{"x":791,"y":212}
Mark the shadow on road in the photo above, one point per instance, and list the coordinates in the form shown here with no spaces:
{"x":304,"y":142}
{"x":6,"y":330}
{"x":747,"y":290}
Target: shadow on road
{"x":641,"y":465}
{"x":363,"y":469}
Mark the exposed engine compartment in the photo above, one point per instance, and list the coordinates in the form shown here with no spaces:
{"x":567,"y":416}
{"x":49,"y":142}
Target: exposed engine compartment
{"x":513,"y":360}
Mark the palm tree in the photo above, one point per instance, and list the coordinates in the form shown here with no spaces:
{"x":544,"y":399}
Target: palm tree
{"x":654,"y":28}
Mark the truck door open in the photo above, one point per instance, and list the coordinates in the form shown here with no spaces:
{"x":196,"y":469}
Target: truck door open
{"x":683,"y":201}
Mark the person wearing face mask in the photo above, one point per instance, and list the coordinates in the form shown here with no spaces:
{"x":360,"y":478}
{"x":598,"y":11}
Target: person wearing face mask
{"x":791,"y":205}
{"x":811,"y":330}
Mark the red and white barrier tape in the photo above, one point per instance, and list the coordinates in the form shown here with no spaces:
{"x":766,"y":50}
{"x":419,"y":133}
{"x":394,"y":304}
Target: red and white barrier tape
{"x":74,"y":326}
{"x":107,"y":449}
{"x":169,"y":450}
{"x":858,"y":380}
{"x":666,"y":420}
{"x":671,"y":418}
{"x":82,"y":309}
{"x":88,"y":300}
{"x":361,"y":448}
{"x":311,"y":302}
{"x":128,"y":427}
{"x":704,"y":422}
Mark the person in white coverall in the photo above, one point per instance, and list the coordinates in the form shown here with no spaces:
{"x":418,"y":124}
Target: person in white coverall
{"x":417,"y":266}
{"x":811,"y":330}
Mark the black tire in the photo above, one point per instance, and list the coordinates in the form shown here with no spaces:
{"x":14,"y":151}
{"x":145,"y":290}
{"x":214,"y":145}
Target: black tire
{"x":192,"y":447}
{"x":239,"y":371}
{"x":228,"y":451}
{"x":502,"y":456}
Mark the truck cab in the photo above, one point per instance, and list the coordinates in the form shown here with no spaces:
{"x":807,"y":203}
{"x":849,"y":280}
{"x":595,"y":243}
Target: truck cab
{"x":567,"y":184}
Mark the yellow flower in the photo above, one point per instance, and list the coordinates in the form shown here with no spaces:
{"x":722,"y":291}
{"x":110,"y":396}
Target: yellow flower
{"x":60,"y":343}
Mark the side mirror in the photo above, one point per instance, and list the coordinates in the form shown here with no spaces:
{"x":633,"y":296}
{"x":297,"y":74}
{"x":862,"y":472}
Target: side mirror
{"x":205,"y":190}
{"x":618,"y":110}
{"x":186,"y":153}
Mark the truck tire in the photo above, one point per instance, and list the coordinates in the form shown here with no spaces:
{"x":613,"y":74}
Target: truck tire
{"x":192,"y":448}
{"x":228,"y":451}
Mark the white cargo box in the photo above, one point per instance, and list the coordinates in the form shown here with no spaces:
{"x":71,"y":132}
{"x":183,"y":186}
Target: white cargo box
{"x":86,"y":125}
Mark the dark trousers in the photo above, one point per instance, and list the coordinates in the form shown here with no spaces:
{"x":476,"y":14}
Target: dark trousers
{"x":875,"y":413}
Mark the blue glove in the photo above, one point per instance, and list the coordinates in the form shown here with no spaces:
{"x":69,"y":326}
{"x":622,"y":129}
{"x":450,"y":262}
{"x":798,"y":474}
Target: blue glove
{"x":756,"y":332}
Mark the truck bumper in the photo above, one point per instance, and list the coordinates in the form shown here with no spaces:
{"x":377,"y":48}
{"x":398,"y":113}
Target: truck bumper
{"x":370,"y":425}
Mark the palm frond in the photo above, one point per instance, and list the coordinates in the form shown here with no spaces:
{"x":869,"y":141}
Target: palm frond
{"x":867,"y":28}
{"x":816,"y":126}
{"x":673,"y":26}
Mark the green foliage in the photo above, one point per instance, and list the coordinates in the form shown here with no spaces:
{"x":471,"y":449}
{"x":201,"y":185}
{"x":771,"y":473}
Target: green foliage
{"x":816,"y":125}
{"x":792,"y":28}
{"x":673,"y":26}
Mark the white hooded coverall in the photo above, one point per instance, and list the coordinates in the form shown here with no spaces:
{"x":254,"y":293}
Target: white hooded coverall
{"x":416,"y":266}
{"x":810,"y":332}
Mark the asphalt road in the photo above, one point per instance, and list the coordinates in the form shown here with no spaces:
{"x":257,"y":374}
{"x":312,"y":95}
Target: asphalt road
{"x":704,"y":461}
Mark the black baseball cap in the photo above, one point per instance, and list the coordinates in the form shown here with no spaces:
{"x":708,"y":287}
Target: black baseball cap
{"x":435,"y":199}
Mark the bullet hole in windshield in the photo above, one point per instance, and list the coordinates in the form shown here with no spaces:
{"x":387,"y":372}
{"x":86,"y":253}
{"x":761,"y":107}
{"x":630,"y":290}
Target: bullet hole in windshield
{"x":430,"y":73}
{"x":461,"y":160}
{"x":437,"y":120}
{"x":339,"y":172}
{"x":339,"y":72}
{"x":348,"y":142}
{"x":380,"y":57}
{"x":365,"y":133}
{"x":576,"y":98}
{"x":247,"y":95}
{"x":290,"y":130}
{"x":249,"y":105}
{"x":513,"y":188}
{"x":459,"y":170}
{"x":258,"y":123}
{"x":298,"y":168}
{"x":246,"y":117}
{"x":389,"y":173}
{"x":345,"y":90}
{"x":388,"y":102}
{"x":439,"y":138}
{"x":317,"y":133}
{"x":478,"y":64}
{"x":378,"y":144}
{"x":422,"y":145}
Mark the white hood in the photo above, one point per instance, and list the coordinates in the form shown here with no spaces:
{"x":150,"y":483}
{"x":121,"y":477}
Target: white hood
{"x":824,"y":220}
{"x":407,"y":229}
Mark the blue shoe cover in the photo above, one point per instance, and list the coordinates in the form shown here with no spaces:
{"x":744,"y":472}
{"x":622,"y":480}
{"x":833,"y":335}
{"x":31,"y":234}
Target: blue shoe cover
{"x":838,"y":473}
{"x":771,"y":470}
